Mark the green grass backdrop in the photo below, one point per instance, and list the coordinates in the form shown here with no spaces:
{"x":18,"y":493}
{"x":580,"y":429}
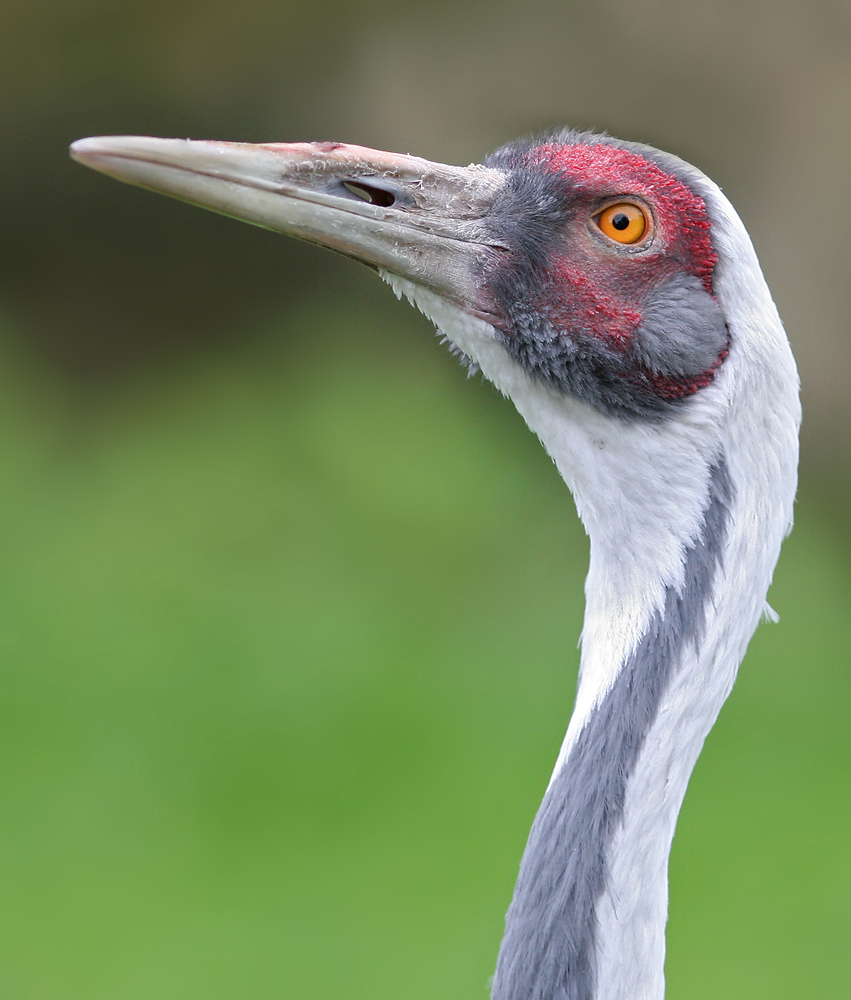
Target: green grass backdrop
{"x":289,"y":646}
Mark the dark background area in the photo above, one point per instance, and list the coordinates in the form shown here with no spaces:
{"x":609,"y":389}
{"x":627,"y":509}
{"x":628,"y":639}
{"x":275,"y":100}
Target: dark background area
{"x":288,"y":606}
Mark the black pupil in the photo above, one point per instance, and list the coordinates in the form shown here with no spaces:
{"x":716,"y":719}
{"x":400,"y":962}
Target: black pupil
{"x":620,"y":221}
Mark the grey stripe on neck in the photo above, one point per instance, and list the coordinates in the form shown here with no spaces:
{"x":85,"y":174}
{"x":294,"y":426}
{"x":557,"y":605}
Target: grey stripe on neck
{"x":548,"y":950}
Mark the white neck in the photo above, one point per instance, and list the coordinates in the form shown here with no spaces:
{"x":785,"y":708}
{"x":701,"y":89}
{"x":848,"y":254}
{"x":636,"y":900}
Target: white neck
{"x":759,"y":422}
{"x":644,"y":491}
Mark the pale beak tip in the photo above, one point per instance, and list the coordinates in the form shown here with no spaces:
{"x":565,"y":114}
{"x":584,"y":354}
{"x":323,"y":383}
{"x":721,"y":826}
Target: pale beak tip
{"x":79,"y":148}
{"x":87,"y":151}
{"x":96,"y":147}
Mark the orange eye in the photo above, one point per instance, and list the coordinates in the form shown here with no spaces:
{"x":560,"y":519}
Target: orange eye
{"x":623,"y":223}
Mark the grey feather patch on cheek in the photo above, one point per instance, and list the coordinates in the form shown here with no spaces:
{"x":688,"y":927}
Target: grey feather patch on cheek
{"x":682,"y":331}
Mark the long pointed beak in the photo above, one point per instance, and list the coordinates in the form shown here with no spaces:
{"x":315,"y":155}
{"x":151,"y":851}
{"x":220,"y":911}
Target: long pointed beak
{"x":420,"y":220}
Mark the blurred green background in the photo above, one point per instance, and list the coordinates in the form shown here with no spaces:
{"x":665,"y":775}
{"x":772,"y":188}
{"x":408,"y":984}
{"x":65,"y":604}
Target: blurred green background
{"x":289,"y":607}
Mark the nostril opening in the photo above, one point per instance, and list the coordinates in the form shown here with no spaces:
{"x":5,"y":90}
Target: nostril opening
{"x":373,"y":195}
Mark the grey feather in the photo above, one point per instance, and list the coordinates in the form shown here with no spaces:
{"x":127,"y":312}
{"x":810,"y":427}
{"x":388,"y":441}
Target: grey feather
{"x":682,"y":331}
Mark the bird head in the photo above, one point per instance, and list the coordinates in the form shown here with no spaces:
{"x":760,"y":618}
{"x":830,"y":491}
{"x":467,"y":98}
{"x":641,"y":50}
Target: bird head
{"x":590,"y":261}
{"x":606,"y":284}
{"x":609,"y":289}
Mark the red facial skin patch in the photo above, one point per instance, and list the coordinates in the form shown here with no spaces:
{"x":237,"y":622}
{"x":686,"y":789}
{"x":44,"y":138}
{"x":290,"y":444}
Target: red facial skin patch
{"x":608,"y":171}
{"x":603,"y":290}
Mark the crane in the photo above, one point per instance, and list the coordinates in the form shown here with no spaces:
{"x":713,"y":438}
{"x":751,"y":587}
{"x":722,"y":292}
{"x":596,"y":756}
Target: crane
{"x":611,"y":291}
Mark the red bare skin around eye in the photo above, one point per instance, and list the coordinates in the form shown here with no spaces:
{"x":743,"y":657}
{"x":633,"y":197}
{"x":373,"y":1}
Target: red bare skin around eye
{"x":604,"y":171}
{"x":592,"y":287}
{"x":606,"y":290}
